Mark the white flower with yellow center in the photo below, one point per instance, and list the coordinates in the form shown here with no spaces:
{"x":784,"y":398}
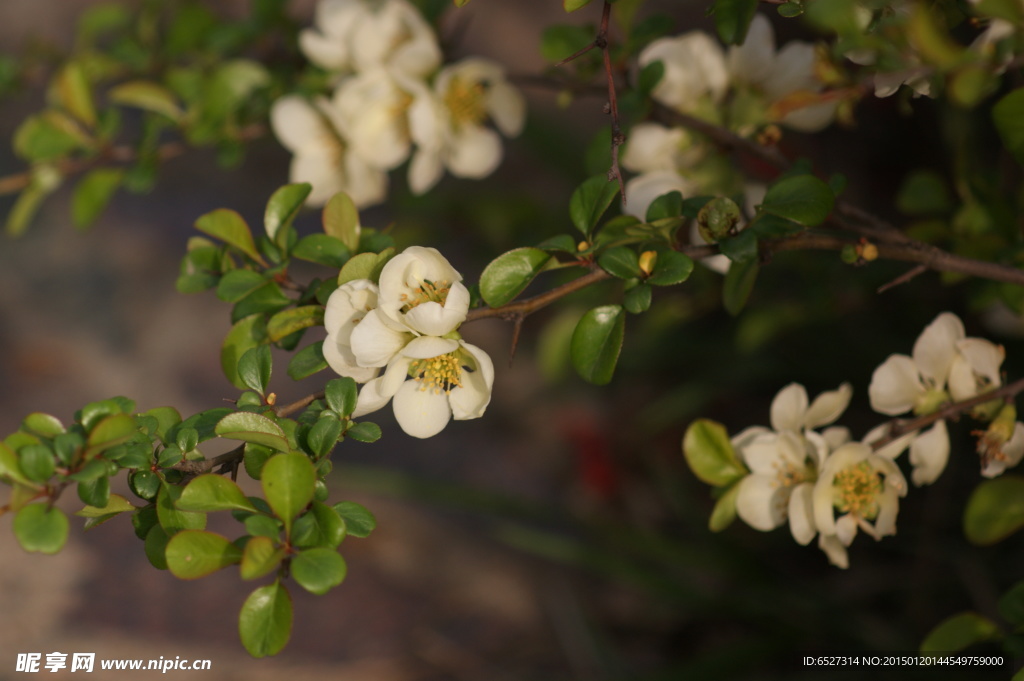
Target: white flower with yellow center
{"x":695,"y":76}
{"x":312,"y":132}
{"x":358,"y":35}
{"x":372,"y":110}
{"x":450,"y":127}
{"x":346,"y":309}
{"x":421,"y":292}
{"x":784,"y":461}
{"x":856,"y":489}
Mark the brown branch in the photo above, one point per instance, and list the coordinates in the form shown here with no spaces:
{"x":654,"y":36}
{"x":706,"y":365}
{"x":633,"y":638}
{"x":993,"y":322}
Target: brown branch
{"x":524,"y":308}
{"x":225,"y":460}
{"x":297,"y":405}
{"x":900,"y":427}
{"x":903,"y":278}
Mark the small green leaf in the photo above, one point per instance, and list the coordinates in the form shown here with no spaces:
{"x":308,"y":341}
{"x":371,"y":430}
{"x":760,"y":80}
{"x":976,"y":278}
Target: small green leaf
{"x":507,"y":275}
{"x":1008,"y":115}
{"x":287,"y":322}
{"x":637,"y":299}
{"x":212,"y":492}
{"x":307,"y":361}
{"x":73,"y":91}
{"x":359,"y":522}
{"x":40,"y":528}
{"x":620,"y":261}
{"x":321,"y":526}
{"x":247,"y":333}
{"x":45,"y":180}
{"x":738,"y":285}
{"x":92,"y":194}
{"x":740,"y":248}
{"x":318,"y":570}
{"x":590,"y":201}
{"x":148,"y":96}
{"x":288,"y":484}
{"x":596,"y":343}
{"x":724,"y":511}
{"x":265,"y":622}
{"x":36,"y":462}
{"x":341,"y":395}
{"x":43,"y":425}
{"x":365,"y":266}
{"x":364,"y":432}
{"x":710,"y":454}
{"x":116,"y":505}
{"x":671,"y":268}
{"x":155,"y":547}
{"x":322,"y":249}
{"x":192,"y":554}
{"x":323,"y":436}
{"x":95,"y":492}
{"x":237,"y":284}
{"x":254,"y":369}
{"x":255,"y":428}
{"x":341,"y":220}
{"x":995,"y":510}
{"x":172,"y":519}
{"x":283,"y":206}
{"x":573,"y":5}
{"x":1011,"y":604}
{"x":959,"y":632}
{"x":109,"y":432}
{"x":801,"y":198}
{"x":260,"y":557}
{"x":230,"y":227}
{"x":924,"y":192}
{"x":732,"y":19}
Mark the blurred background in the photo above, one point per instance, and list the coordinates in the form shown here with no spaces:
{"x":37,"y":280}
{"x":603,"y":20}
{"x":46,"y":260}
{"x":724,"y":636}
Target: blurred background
{"x":559,"y":537}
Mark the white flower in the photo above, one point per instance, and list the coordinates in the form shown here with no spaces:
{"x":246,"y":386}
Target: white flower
{"x":863,"y":488}
{"x":357,"y":35}
{"x":346,"y":309}
{"x":421,"y":291}
{"x":784,"y":462}
{"x":372,"y":110}
{"x":321,"y":157}
{"x":786,"y":78}
{"x":997,"y":460}
{"x":654,"y":147}
{"x":450,"y":126}
{"x":695,"y":71}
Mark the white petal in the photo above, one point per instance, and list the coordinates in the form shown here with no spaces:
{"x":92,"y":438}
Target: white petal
{"x":507,"y":108}
{"x":789,"y":408}
{"x":347,"y":305}
{"x":324,"y":51}
{"x":343,"y":361}
{"x":425,"y":347}
{"x":433,"y":319}
{"x":365,"y":185}
{"x":475,"y":152}
{"x":935,"y":348}
{"x":753,"y":61}
{"x":321,"y":170}
{"x":425,"y":170}
{"x":374,"y":343}
{"x":846,"y":529}
{"x":885,"y":523}
{"x":652,"y":147}
{"x":1013,"y":451}
{"x":761,"y":453}
{"x":929,"y":453}
{"x":296,"y":123}
{"x":894,"y":448}
{"x":370,"y":398}
{"x":812,"y":118}
{"x":761,"y":503}
{"x":470,"y":400}
{"x":835,"y":550}
{"x":421,"y":413}
{"x":895,"y":385}
{"x":793,"y":70}
{"x":801,"y":513}
{"x":984,"y":359}
{"x":828,"y":406}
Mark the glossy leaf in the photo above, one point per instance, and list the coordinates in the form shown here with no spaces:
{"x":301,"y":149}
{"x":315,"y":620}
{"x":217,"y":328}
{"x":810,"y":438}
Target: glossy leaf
{"x":43,"y":425}
{"x":738,"y":285}
{"x":255,"y":428}
{"x":40,"y":528}
{"x":237,"y":284}
{"x":288,"y":484}
{"x":724,"y":511}
{"x":573,"y":5}
{"x":245,"y":334}
{"x":341,"y":220}
{"x":507,"y":275}
{"x":365,"y":266}
{"x":590,"y":201}
{"x":36,"y":462}
{"x":110,"y":431}
{"x":73,"y":91}
{"x":320,"y":526}
{"x":596,"y":343}
{"x":148,"y":96}
{"x":318,"y":570}
{"x":620,"y":261}
{"x":92,"y":194}
{"x":323,"y":436}
{"x":265,"y":622}
{"x":307,"y":361}
{"x":212,"y":492}
{"x":282,"y":208}
{"x":172,"y":519}
{"x":254,"y":369}
{"x":359,"y":521}
{"x":230,"y":227}
{"x":364,"y":432}
{"x":287,"y":322}
{"x":671,"y":268}
{"x":732,"y":19}
{"x":801,"y":198}
{"x":322,"y":249}
{"x":710,"y":454}
{"x":192,"y":554}
{"x":995,"y":510}
{"x":341,"y":395}
{"x":260,"y":557}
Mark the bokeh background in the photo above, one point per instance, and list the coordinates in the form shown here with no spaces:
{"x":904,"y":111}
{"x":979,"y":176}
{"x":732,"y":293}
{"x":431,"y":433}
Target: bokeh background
{"x":559,"y":537}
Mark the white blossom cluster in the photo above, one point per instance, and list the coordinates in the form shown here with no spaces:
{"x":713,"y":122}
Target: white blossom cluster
{"x":749,"y":86}
{"x":406,"y":327}
{"x":825,"y":484}
{"x":392,"y":101}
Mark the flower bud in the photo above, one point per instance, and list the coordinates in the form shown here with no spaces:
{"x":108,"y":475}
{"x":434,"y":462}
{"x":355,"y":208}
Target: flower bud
{"x":648,"y":259}
{"x":991,"y":441}
{"x":718,"y":219}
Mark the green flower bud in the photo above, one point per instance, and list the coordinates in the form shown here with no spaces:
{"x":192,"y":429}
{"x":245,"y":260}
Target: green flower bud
{"x":718,"y":219}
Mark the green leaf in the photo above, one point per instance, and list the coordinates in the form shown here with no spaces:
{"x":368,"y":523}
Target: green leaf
{"x":710,"y":454}
{"x":321,"y":526}
{"x":596,"y":343}
{"x":43,"y":425}
{"x":267,"y":298}
{"x":36,"y":462}
{"x":359,"y":522}
{"x":212,"y":492}
{"x":283,"y":206}
{"x":995,"y":510}
{"x":341,"y":221}
{"x":192,"y":554}
{"x":148,"y":96}
{"x":255,"y":428}
{"x":155,"y":547}
{"x":116,"y":505}
{"x":1008,"y":115}
{"x":724,"y":511}
{"x":573,"y":5}
{"x":958,"y":632}
{"x":637,"y":299}
{"x":230,"y":227}
{"x":1011,"y":604}
{"x":671,"y":268}
{"x":254,"y":370}
{"x":341,"y":395}
{"x":740,"y":248}
{"x":590,"y":201}
{"x":92,"y":194}
{"x":109,"y":432}
{"x":237,"y":284}
{"x":318,"y":570}
{"x":307,"y":361}
{"x":287,"y":322}
{"x":41,"y":529}
{"x":507,"y":275}
{"x":322,"y":249}
{"x":801,"y":198}
{"x":620,"y":261}
{"x":172,"y":519}
{"x":288,"y":484}
{"x":364,"y":432}
{"x":95,"y":492}
{"x":924,"y":192}
{"x":265,"y":623}
{"x":48,"y":136}
{"x":365,"y":266}
{"x":668,"y":205}
{"x":738,"y":285}
{"x":73,"y":91}
{"x":44,"y":182}
{"x":245,"y":334}
{"x":732,"y":19}
{"x":260,"y":557}
{"x":323,"y":436}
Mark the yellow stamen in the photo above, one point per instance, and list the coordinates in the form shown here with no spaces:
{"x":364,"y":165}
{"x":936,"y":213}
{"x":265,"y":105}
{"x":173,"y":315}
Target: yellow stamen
{"x":466,"y":101}
{"x":428,"y":291}
{"x":856,"y":490}
{"x":440,"y":374}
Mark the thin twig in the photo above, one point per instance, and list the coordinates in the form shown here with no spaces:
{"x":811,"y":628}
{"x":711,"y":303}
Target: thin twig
{"x":903,"y":278}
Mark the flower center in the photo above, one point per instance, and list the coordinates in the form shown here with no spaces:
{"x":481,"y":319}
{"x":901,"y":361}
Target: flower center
{"x":856,"y":490}
{"x":788,"y":474}
{"x":465,"y":100}
{"x":441,"y":373}
{"x":427,"y":292}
